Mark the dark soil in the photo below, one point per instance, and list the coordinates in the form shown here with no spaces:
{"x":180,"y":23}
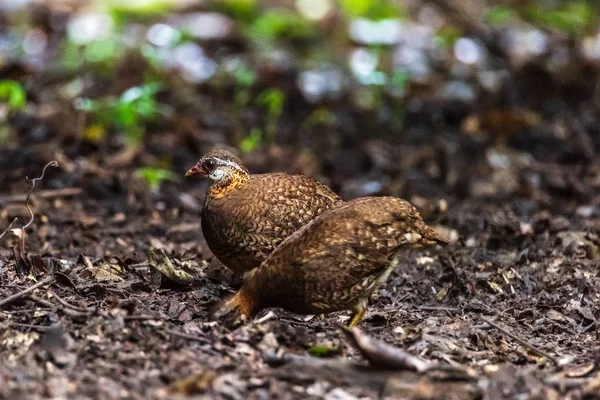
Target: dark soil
{"x":532,"y":269}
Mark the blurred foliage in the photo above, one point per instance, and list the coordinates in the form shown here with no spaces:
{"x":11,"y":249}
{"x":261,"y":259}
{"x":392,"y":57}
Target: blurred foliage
{"x":266,"y":35}
{"x":154,"y":177}
{"x":101,"y":54}
{"x":276,"y":23}
{"x":12,"y":94}
{"x":252,"y":142}
{"x":127,"y":113}
{"x":272,"y":101}
{"x":122,"y":11}
{"x":325,"y":351}
{"x":14,"y":98}
{"x":241,"y":10}
{"x":569,"y":17}
{"x":500,"y":15}
{"x":373,"y":9}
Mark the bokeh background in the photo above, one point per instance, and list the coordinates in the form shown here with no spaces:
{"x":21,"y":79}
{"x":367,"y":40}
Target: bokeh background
{"x":411,"y":98}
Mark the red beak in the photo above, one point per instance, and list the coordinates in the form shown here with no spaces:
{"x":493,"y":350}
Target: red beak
{"x":196,"y":170}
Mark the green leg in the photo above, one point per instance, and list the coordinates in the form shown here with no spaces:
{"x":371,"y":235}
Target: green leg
{"x":358,"y":313}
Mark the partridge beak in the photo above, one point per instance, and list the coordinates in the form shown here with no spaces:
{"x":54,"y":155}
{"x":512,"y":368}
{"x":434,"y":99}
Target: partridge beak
{"x":196,"y":170}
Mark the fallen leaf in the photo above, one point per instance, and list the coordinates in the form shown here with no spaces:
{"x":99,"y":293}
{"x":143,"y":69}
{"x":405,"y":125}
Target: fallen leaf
{"x":158,"y":261}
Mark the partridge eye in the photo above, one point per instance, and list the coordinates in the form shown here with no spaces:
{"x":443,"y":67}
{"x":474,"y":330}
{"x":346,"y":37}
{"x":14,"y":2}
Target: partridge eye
{"x":209,"y":164}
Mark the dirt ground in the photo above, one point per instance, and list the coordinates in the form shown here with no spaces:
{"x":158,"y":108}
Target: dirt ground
{"x":508,"y":311}
{"x":103,"y":328}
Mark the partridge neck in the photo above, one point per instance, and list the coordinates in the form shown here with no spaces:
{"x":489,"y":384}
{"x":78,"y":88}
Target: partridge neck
{"x":232,"y":182}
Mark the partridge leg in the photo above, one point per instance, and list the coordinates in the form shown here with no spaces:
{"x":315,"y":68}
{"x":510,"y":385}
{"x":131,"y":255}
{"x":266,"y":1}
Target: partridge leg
{"x":358,"y":313}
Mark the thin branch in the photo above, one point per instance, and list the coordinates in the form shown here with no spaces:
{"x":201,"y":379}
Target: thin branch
{"x":26,"y":311}
{"x":182,"y":335}
{"x":43,"y":194}
{"x":40,"y":328}
{"x":33,"y":181}
{"x":521,"y":341}
{"x":69,"y":305}
{"x":23,"y":292}
{"x":429,"y":308}
{"x":142,"y":318}
{"x":14,"y":221}
{"x":45,"y":303}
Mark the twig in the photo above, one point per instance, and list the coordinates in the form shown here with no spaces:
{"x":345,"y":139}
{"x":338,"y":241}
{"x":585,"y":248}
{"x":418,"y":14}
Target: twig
{"x":429,"y":308}
{"x":33,"y":181}
{"x":69,"y":305}
{"x":27,"y":311}
{"x":142,"y":318}
{"x":23,"y":292}
{"x":383,"y":355}
{"x":43,"y":194}
{"x":186,"y":336}
{"x":42,"y":302}
{"x":521,"y":341}
{"x":41,"y":328}
{"x":66,"y":311}
{"x":14,"y":221}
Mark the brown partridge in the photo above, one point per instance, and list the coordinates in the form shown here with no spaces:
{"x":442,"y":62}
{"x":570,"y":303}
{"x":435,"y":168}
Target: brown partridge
{"x":335,"y":262}
{"x":245,"y":217}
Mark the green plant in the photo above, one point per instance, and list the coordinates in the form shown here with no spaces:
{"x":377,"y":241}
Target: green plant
{"x":570,"y":17}
{"x":252,"y":142}
{"x":324,"y":351}
{"x":122,"y":11}
{"x":127,"y":113}
{"x":241,"y":10}
{"x":153,"y":177}
{"x":272,"y":101}
{"x":101,"y":54}
{"x":372,"y":9}
{"x":244,"y":79}
{"x":279,"y":23}
{"x":12,"y":94}
{"x":499,"y":15}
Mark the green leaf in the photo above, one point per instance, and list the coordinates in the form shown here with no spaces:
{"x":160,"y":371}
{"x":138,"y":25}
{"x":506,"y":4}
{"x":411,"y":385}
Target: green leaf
{"x":244,"y":76}
{"x":322,"y":351}
{"x":373,"y":9}
{"x":399,"y":79}
{"x":572,"y":17}
{"x":251,"y":142}
{"x":499,"y":15}
{"x":355,"y":8}
{"x":272,"y":100}
{"x":138,"y":7}
{"x":154,"y":177}
{"x":242,"y":10}
{"x":276,"y":24}
{"x":13,"y":94}
{"x":102,"y":51}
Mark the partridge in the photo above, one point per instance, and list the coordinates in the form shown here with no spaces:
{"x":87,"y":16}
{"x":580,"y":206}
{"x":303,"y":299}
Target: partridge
{"x":335,"y":262}
{"x":246,"y":216}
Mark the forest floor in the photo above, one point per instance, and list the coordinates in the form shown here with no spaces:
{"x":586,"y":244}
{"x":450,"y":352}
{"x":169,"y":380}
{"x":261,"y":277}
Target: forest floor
{"x":508,"y":311}
{"x":102,"y":326}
